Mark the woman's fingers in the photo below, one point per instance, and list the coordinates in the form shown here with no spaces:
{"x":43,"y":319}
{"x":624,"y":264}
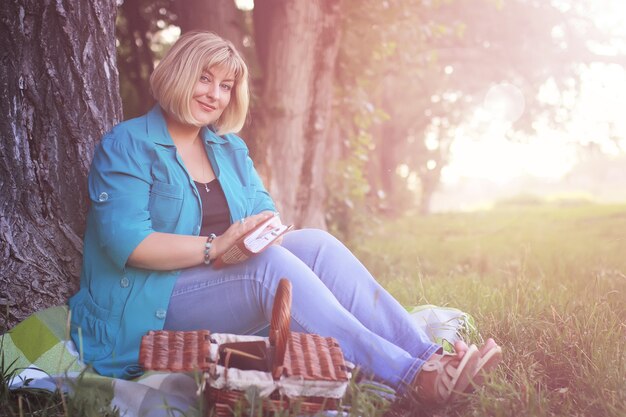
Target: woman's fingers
{"x":250,"y":222}
{"x":238,"y":229}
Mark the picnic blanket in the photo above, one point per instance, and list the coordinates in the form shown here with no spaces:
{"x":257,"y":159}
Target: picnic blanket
{"x":40,"y":354}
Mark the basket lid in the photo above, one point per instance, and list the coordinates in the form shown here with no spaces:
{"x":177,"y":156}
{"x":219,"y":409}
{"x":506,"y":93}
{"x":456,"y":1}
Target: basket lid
{"x":311,"y":357}
{"x":176,"y":351}
{"x":302,"y":355}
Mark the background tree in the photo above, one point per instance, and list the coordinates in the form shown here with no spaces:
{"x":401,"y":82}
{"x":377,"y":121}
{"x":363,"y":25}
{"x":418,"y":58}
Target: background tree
{"x":297,"y":47}
{"x":58,"y":95}
{"x":220,"y":16}
{"x":138,"y":47}
{"x":135,"y":57}
{"x":428,"y":66}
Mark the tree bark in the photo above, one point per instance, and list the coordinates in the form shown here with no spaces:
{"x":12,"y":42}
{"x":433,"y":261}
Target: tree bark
{"x":297,"y":44}
{"x":219,"y":16}
{"x":59,"y":94}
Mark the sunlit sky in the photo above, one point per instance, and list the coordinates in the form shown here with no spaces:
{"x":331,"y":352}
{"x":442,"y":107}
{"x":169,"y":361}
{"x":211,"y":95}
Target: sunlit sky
{"x":597,"y":115}
{"x":245,"y":4}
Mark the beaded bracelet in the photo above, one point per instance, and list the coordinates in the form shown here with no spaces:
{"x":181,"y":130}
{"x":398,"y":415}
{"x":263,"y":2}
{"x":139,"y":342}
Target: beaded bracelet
{"x":207,"y":248}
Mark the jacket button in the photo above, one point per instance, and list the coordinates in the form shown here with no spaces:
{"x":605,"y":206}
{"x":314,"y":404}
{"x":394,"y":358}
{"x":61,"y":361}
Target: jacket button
{"x":160,"y":314}
{"x":103,"y":196}
{"x":124,"y":282}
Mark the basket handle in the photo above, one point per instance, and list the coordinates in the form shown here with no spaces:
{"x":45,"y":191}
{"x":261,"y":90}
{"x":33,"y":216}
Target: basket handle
{"x":279,"y":326}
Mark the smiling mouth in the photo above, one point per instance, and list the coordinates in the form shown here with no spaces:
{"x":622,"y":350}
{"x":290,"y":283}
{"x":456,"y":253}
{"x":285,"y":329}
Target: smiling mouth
{"x":207,"y":107}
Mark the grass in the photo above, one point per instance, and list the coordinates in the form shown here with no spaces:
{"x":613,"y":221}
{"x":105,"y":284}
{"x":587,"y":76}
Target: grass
{"x":547,"y":282}
{"x":87,"y":399}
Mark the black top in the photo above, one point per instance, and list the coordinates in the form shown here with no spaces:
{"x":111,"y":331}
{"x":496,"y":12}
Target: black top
{"x":215,"y":212}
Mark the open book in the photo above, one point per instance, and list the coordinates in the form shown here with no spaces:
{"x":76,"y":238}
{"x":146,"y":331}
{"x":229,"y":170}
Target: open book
{"x":253,"y":242}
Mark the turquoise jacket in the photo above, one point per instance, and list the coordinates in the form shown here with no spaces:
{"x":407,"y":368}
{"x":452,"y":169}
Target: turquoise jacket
{"x":138,"y":184}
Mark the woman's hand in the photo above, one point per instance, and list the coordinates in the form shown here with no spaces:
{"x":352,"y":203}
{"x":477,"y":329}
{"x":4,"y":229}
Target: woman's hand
{"x":235,"y":231}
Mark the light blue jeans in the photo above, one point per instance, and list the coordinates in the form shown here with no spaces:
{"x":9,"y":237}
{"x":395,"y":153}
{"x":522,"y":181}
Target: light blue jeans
{"x":333,"y":295}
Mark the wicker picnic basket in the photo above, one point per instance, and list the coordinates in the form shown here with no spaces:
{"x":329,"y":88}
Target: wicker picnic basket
{"x":301,"y":371}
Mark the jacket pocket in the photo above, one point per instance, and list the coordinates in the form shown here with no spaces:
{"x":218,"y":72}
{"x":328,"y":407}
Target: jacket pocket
{"x":165,"y":204}
{"x":94,"y":329}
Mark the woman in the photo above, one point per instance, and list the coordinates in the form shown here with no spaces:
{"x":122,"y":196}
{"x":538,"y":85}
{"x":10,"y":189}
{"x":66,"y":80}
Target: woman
{"x":172,"y":190}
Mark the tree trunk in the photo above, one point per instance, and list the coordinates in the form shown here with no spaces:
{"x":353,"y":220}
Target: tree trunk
{"x":59,"y":93}
{"x":297,"y":44}
{"x":219,"y":16}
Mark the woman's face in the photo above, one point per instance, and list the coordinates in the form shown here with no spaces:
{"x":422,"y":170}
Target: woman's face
{"x":211,"y":95}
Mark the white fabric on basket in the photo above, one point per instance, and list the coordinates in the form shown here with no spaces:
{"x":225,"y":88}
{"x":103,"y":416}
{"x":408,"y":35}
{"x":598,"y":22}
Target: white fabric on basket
{"x":240,"y":380}
{"x":294,"y":387}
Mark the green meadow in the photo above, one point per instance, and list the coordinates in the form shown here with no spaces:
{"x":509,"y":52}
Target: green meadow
{"x":548,"y":282}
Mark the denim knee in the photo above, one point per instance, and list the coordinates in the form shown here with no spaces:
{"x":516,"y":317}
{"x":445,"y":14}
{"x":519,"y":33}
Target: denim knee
{"x":317,"y":236}
{"x":306,"y":242}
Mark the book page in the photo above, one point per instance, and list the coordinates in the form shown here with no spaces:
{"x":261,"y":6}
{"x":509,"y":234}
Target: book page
{"x":266,"y":237}
{"x":263,"y":228}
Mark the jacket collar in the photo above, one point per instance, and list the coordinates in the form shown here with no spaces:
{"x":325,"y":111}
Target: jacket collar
{"x":156,"y":128}
{"x":208,"y":135}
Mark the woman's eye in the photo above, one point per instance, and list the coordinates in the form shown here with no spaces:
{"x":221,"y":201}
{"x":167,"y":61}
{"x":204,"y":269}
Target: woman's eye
{"x":204,"y":79}
{"x":227,"y":87}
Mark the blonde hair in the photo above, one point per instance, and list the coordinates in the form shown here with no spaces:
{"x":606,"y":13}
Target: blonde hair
{"x":172,"y":82}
